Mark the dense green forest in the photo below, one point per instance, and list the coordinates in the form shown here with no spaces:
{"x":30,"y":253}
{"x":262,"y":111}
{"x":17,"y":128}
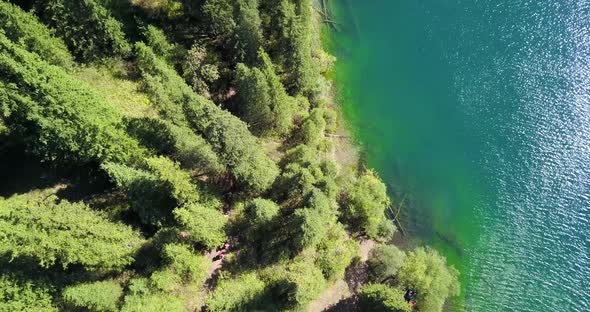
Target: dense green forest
{"x":137,"y":137}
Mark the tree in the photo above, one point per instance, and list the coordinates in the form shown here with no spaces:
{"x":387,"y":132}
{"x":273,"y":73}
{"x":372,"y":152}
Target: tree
{"x":24,"y":29}
{"x":194,"y":153}
{"x":87,"y":27}
{"x":313,"y":128}
{"x":52,"y":232}
{"x":204,"y":224}
{"x":198,"y":71}
{"x":141,"y":298}
{"x":248,"y":31}
{"x":64,"y":119}
{"x":25,"y":295}
{"x":219,"y":18}
{"x":238,"y":294}
{"x":179,"y":142}
{"x":189,"y":266}
{"x":367,"y":202}
{"x":302,"y":173}
{"x":384,"y":262}
{"x":156,"y":39}
{"x":98,"y":296}
{"x":335,"y":252}
{"x":426,"y":272}
{"x":382,"y":298}
{"x":311,"y":224}
{"x":295,"y":33}
{"x":260,"y":211}
{"x":229,"y":137}
{"x":295,"y":284}
{"x":149,"y":198}
{"x":262,"y":99}
{"x":174,"y":179}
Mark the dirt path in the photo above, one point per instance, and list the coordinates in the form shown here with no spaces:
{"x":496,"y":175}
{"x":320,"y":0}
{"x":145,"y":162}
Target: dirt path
{"x":210,"y":279}
{"x":343,"y":290}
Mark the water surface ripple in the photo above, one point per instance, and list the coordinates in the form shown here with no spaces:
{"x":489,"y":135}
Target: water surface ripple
{"x":479,"y":112}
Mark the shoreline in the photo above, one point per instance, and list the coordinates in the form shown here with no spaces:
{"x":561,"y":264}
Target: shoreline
{"x":404,"y":241}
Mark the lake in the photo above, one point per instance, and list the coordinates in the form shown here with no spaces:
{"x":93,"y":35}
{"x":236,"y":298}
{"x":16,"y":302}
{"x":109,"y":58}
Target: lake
{"x":477,"y":115}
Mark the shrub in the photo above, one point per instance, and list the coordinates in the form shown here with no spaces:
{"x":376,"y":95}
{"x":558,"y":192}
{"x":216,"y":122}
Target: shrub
{"x":199,"y":71}
{"x":311,"y":132}
{"x":98,"y":296}
{"x":260,"y":211}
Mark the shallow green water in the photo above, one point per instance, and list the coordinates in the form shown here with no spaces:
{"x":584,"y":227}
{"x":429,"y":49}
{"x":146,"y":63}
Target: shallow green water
{"x":478,"y":112}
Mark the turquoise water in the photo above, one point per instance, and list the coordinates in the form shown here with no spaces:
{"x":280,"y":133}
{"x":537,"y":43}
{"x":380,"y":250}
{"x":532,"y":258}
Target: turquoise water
{"x":478,"y":113}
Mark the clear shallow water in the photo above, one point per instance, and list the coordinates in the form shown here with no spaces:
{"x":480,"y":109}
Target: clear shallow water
{"x":478,"y":112}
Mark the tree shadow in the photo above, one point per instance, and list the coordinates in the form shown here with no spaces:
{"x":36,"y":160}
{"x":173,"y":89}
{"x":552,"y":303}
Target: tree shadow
{"x":349,"y":304}
{"x":21,"y":172}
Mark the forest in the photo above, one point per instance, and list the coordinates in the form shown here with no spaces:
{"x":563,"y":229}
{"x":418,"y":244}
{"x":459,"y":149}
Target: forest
{"x":140,"y":138}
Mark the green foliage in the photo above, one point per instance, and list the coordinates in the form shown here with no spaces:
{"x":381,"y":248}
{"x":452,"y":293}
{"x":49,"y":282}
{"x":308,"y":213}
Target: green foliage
{"x":143,"y":299}
{"x":312,"y":129}
{"x":335,"y":252}
{"x":178,"y":142}
{"x":24,"y":29}
{"x":384,"y":261}
{"x":426,"y":271}
{"x":98,"y":296}
{"x":262,"y":99}
{"x":149,"y":198}
{"x":295,"y":40}
{"x":124,"y":95}
{"x":297,"y":283}
{"x":260,"y":211}
{"x":367,"y":202}
{"x":69,"y":233}
{"x":239,"y":294}
{"x":385,"y":231}
{"x":194,"y":153}
{"x":313,"y":222}
{"x":165,"y":280}
{"x":176,"y":180}
{"x":248,"y":31}
{"x":24,"y":295}
{"x":219,"y":18}
{"x":382,"y":298}
{"x":204,"y":224}
{"x":199,"y":71}
{"x":189,"y":266}
{"x":167,"y":91}
{"x":239,"y":151}
{"x":63,"y":119}
{"x":156,"y":39}
{"x":87,"y":27}
{"x":303,"y":172}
